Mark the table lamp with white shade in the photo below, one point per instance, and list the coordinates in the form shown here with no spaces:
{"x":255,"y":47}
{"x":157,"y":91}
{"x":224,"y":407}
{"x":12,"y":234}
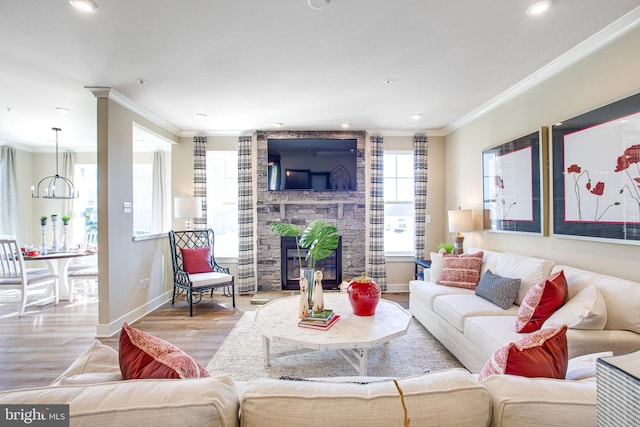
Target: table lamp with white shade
{"x":187,"y":207}
{"x":460,"y":221}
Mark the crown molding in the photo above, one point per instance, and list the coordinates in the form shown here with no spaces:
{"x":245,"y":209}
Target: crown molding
{"x":115,"y":96}
{"x":610,"y":33}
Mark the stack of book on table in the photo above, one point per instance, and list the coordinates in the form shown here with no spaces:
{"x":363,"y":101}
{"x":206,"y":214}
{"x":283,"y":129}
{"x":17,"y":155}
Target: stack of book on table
{"x":319,"y":320}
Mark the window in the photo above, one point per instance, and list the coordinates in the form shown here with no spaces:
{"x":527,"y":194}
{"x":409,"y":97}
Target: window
{"x":222,"y":201}
{"x":399,"y":215}
{"x":85,"y":207}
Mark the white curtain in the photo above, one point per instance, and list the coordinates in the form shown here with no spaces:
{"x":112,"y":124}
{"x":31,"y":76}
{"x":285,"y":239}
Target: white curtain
{"x":68,"y":171}
{"x":9,"y":203}
{"x":159,"y":217}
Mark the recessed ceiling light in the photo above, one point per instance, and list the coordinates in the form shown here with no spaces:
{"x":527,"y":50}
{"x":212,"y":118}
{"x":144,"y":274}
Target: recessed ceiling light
{"x":87,"y":6}
{"x":318,"y":4}
{"x":345,"y":125}
{"x":201,"y":115}
{"x":416,"y":116}
{"x":62,"y":110}
{"x":539,"y":7}
{"x":278,"y":125}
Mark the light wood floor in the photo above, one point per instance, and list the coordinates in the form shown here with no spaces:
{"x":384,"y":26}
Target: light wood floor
{"x":39,"y":346}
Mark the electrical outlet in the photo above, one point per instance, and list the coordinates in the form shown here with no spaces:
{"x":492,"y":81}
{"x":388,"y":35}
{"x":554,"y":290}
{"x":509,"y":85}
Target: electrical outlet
{"x":427,"y":219}
{"x":141,"y":286}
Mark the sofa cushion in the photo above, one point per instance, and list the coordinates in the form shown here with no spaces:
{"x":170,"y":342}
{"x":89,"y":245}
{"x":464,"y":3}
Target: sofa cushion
{"x":529,"y":270}
{"x":587,"y":310}
{"x":461,"y":271}
{"x":426,"y":292}
{"x":145,"y":356}
{"x":540,"y":354}
{"x":98,"y":363}
{"x":211,"y":401}
{"x":489,"y":259}
{"x":196,"y":260}
{"x":620,"y":296}
{"x":502,"y":291}
{"x":456,"y":308}
{"x":583,"y":367}
{"x":541,"y":302}
{"x":431,"y":399}
{"x":520,"y":401}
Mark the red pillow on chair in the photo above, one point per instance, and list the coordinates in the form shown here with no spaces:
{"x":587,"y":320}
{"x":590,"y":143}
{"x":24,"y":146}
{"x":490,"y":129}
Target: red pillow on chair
{"x":196,"y":260}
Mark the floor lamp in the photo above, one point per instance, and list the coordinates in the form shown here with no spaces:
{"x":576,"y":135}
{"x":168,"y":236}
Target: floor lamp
{"x":460,"y":221}
{"x":187,"y":207}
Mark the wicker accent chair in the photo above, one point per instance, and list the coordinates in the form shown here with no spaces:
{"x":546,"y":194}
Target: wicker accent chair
{"x":208,"y":277}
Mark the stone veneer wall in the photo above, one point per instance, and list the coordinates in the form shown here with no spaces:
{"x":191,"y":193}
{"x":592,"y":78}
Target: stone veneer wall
{"x":345,"y":209}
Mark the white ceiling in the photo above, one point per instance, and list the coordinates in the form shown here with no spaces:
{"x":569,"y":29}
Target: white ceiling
{"x":250,"y":63}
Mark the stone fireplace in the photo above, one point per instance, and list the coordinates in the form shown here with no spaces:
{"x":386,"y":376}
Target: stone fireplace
{"x":345,"y":209}
{"x":330,"y":266}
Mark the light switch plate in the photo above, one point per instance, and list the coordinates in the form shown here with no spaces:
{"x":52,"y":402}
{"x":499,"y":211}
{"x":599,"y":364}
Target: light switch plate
{"x":127,"y":207}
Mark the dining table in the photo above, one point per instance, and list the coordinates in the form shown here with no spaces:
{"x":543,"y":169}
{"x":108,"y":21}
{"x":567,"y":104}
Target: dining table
{"x":58,"y":263}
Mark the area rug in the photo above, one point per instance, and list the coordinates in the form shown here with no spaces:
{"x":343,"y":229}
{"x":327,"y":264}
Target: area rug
{"x":240,"y":356}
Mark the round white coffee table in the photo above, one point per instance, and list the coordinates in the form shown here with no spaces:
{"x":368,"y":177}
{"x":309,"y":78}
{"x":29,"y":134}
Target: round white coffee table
{"x":351,"y":335}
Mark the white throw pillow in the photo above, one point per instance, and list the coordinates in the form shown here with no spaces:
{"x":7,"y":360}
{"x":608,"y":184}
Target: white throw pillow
{"x":436,"y":267}
{"x":587,"y":310}
{"x":583,"y":367}
{"x":529,"y":270}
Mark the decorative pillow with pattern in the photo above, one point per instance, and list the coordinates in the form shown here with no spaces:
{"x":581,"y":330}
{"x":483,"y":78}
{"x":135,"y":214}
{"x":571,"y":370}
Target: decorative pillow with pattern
{"x":541,"y":302}
{"x":502,"y":291}
{"x":144,"y":356}
{"x":196,"y":260}
{"x":461,"y":271}
{"x":543,"y":353}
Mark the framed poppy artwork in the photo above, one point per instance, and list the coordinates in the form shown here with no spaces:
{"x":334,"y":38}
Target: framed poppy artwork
{"x":514,"y":184}
{"x":596,"y":173}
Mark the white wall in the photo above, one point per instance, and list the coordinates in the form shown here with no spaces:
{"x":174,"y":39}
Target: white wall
{"x":603,"y":77}
{"x":123,"y":262}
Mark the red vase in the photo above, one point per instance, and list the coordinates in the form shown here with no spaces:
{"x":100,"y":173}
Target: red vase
{"x":364,"y":295}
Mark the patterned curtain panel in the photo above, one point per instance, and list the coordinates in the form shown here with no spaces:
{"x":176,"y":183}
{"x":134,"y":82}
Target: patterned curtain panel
{"x":200,"y":178}
{"x":376,"y":266}
{"x":420,"y":188}
{"x":247,"y":283}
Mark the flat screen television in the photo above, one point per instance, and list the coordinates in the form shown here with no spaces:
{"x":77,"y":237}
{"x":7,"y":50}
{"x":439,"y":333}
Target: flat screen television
{"x":323,"y":164}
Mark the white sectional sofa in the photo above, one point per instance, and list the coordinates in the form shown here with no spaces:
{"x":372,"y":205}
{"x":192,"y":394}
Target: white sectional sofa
{"x":97,"y":397}
{"x":473,"y":328}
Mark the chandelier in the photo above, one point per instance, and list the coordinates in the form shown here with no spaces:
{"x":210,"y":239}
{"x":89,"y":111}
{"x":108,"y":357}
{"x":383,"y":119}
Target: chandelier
{"x":46,"y":188}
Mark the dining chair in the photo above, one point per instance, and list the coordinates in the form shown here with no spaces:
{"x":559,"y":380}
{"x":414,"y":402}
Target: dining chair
{"x":14,"y":275}
{"x":195,"y":269}
{"x":86,"y":271}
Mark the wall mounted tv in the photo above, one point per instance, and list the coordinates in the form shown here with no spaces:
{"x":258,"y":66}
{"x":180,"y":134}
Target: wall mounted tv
{"x":323,"y":164}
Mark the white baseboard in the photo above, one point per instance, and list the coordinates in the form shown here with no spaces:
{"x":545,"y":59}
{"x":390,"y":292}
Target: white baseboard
{"x":107,"y":330}
{"x":398,"y":287}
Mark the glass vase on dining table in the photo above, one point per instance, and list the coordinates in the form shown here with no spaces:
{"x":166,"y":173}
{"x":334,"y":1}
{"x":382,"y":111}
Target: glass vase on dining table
{"x":309,"y":274}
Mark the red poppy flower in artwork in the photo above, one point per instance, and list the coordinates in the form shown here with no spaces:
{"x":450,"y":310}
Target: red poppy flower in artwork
{"x":633,"y":154}
{"x":499,"y":182}
{"x":574,"y":169}
{"x":598,"y":189}
{"x":588,"y":185}
{"x":622,"y":164}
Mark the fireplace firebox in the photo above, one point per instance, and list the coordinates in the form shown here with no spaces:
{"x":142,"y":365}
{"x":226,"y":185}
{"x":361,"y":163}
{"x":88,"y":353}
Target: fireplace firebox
{"x":331,"y":266}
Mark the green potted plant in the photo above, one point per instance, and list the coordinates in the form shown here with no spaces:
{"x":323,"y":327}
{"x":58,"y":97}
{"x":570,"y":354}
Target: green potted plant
{"x":66,"y":219}
{"x":320,"y":238}
{"x":43,"y":220}
{"x":448,"y":247}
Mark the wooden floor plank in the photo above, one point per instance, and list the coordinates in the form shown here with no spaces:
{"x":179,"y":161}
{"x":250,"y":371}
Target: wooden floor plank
{"x":37,"y":347}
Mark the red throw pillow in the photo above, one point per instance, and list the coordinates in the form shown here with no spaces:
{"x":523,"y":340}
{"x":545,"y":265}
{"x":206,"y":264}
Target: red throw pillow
{"x":541,"y":301}
{"x":461,"y":271}
{"x":145,"y":356}
{"x":542,"y":353}
{"x":196,"y":260}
